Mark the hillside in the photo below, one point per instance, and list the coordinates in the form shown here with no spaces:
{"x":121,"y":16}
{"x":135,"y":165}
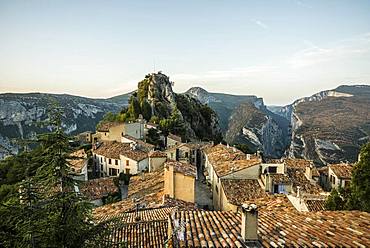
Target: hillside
{"x":222,"y":104}
{"x":20,"y":114}
{"x":330,"y":126}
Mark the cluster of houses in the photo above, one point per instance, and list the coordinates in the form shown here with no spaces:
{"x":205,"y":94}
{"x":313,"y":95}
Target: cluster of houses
{"x":252,"y":202}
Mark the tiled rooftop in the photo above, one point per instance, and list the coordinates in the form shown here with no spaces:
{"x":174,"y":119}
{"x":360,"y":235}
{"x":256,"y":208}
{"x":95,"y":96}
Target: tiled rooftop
{"x":221,"y":153}
{"x":226,"y":160}
{"x":157,"y":154}
{"x":134,"y":154}
{"x":143,"y":228}
{"x":182,"y":167}
{"x":298,"y":178}
{"x":342,"y":170}
{"x":279,"y":225}
{"x":228,"y":167}
{"x":297,"y":163}
{"x":280,"y":179}
{"x":141,"y":144}
{"x":97,"y":188}
{"x":146,"y":190}
{"x":238,"y":191}
{"x":315,"y":205}
{"x":111,"y":149}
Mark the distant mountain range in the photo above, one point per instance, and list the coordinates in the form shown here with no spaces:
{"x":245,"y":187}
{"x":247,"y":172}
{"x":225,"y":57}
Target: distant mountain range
{"x":327,"y":127}
{"x":20,"y":114}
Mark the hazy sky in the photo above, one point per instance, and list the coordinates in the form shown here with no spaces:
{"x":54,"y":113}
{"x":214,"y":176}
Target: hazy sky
{"x":279,"y":50}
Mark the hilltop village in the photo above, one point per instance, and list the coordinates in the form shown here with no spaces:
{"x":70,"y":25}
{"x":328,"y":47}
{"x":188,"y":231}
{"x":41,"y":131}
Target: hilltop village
{"x":201,"y":194}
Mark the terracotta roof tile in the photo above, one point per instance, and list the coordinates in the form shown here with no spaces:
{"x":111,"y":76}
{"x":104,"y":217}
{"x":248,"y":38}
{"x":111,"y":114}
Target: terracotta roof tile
{"x":157,"y":154}
{"x":182,"y":167}
{"x":135,"y":154}
{"x":297,"y":163}
{"x":226,"y":160}
{"x":298,"y":178}
{"x":97,"y":188}
{"x":315,"y":205}
{"x":111,"y":149}
{"x":238,"y":191}
{"x":279,"y":224}
{"x":280,"y":179}
{"x":342,"y":170}
{"x":225,"y":168}
{"x":146,"y":190}
{"x":143,"y":228}
{"x":141,"y":144}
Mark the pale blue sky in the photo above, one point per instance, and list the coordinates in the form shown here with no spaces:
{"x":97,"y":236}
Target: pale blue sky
{"x":279,"y":50}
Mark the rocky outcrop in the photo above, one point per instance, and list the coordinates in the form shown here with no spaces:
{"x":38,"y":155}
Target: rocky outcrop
{"x":198,"y":120}
{"x":258,"y":128}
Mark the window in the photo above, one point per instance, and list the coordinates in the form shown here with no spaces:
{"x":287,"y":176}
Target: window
{"x":127,"y":171}
{"x":110,"y":161}
{"x":346,"y":183}
{"x":272,"y":169}
{"x":94,"y":156}
{"x":186,"y":154}
{"x":112,"y":172}
{"x":127,"y":162}
{"x":116,"y":162}
{"x":101,"y":167}
{"x":216,"y":189}
{"x":101,"y":160}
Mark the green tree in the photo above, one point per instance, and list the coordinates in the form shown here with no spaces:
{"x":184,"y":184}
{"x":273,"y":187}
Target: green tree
{"x":360,"y":182}
{"x":146,"y":110}
{"x":336,"y":200}
{"x":153,"y":137}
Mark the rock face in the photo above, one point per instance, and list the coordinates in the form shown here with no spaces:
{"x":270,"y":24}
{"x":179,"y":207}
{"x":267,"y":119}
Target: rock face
{"x":329,"y":126}
{"x":200,"y":121}
{"x":222,"y":104}
{"x":21,"y":113}
{"x":259,"y":128}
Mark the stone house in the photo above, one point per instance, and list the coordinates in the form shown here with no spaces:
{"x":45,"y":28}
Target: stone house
{"x":179,"y":180}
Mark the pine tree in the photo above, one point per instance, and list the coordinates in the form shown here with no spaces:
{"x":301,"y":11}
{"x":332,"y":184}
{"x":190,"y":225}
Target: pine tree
{"x":360,"y":182}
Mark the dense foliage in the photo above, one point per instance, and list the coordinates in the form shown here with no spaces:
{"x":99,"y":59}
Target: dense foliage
{"x":39,"y":204}
{"x":357,"y":196}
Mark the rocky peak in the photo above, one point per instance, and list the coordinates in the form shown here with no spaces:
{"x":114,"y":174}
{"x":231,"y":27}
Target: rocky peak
{"x":160,"y":88}
{"x":201,"y":94}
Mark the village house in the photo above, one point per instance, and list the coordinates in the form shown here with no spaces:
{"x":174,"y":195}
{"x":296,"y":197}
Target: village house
{"x":274,"y":178}
{"x":156,"y":160}
{"x":134,"y":161}
{"x":112,"y":158}
{"x":78,"y":163}
{"x":224,"y":162}
{"x":127,"y":139}
{"x":172,"y":141}
{"x":179,"y":180}
{"x":339,"y":175}
{"x":188,"y":152}
{"x":114,"y":131}
{"x":85,"y":137}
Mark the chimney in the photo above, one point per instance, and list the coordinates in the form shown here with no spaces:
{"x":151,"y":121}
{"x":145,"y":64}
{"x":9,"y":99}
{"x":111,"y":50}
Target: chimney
{"x":249,"y":222}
